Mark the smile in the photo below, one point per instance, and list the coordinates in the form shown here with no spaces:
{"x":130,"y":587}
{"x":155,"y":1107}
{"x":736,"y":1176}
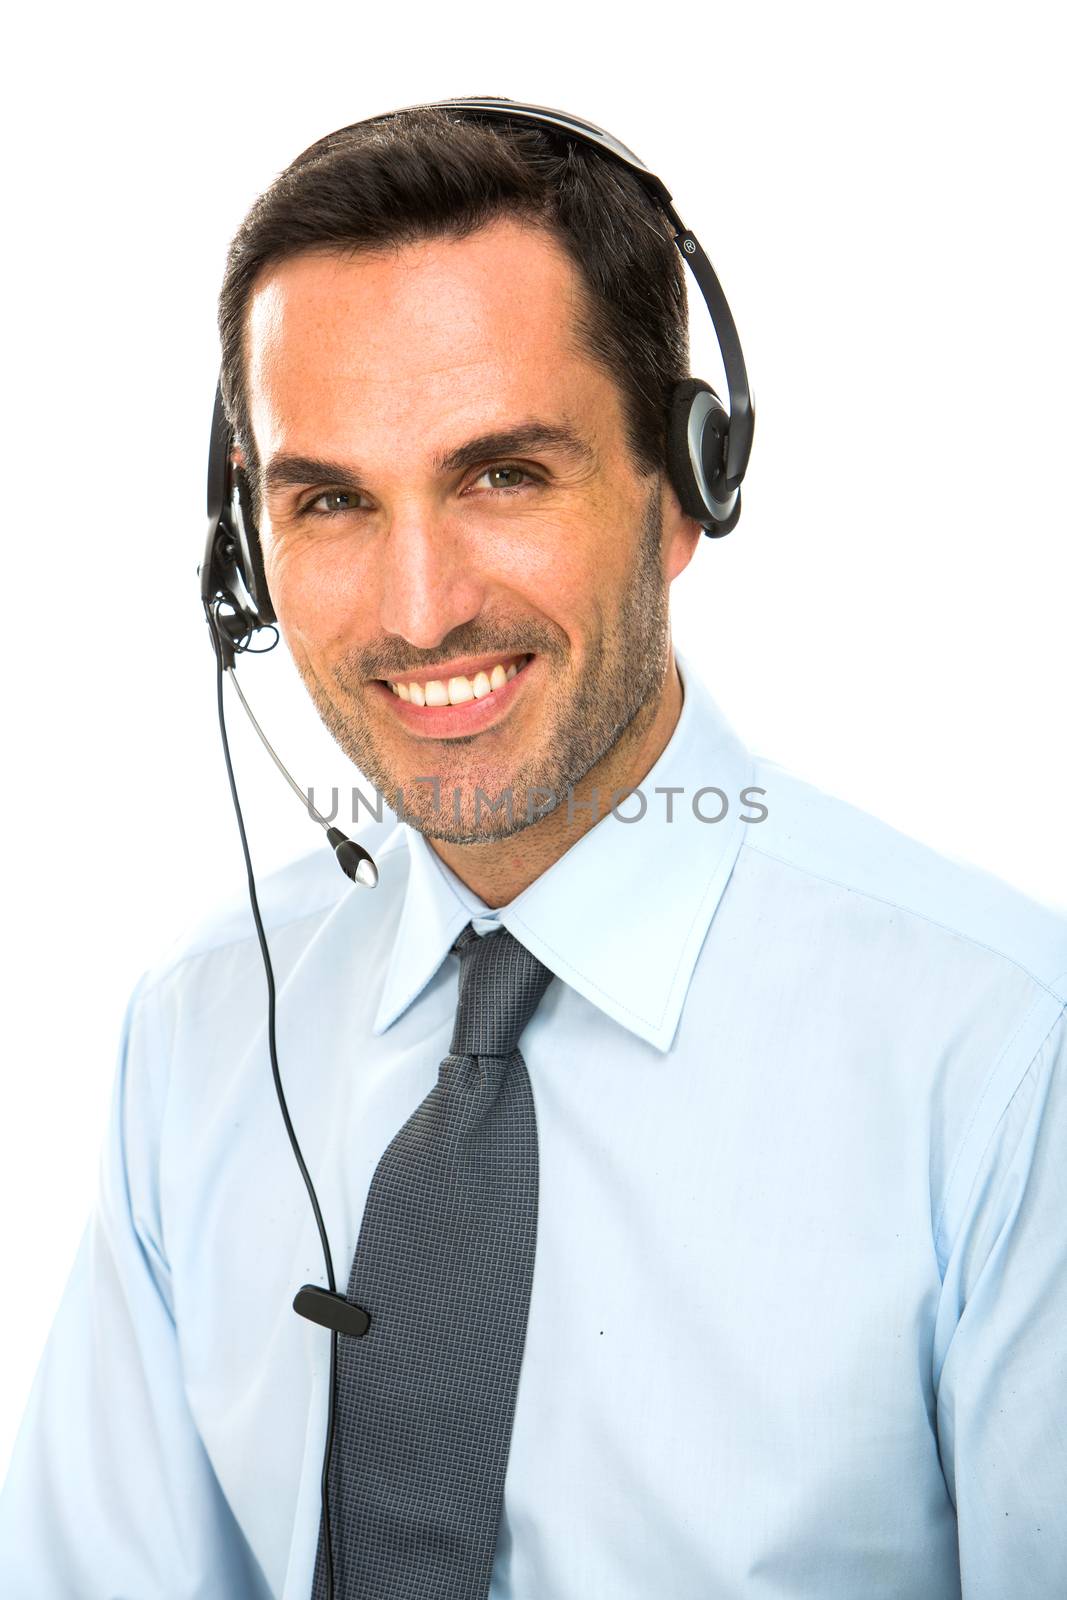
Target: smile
{"x":461,"y":702}
{"x":457,"y":690}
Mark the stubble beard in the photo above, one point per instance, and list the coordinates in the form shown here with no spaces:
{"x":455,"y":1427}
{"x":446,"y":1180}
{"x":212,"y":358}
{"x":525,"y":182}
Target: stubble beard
{"x":625,"y":672}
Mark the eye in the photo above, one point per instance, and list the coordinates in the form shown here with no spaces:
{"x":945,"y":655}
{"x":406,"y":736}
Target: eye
{"x":331,"y":503}
{"x":506,"y":469}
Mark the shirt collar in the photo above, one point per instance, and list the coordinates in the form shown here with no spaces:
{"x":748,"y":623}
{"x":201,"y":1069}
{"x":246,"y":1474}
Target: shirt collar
{"x":622,"y":915}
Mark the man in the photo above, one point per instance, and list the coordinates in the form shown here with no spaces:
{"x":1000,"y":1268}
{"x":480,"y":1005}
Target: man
{"x":764,"y":1275}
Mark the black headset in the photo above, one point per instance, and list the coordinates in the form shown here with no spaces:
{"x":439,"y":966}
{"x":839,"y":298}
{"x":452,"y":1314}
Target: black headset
{"x":707,"y":446}
{"x":707,"y":453}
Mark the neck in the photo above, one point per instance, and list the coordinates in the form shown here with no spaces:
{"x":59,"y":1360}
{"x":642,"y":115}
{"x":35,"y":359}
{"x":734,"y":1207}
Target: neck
{"x":500,"y":869}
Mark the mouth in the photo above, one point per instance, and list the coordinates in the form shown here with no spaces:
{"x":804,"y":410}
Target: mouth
{"x":473,"y":696}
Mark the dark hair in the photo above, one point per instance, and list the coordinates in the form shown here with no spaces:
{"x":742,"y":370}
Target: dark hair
{"x":426,"y":172}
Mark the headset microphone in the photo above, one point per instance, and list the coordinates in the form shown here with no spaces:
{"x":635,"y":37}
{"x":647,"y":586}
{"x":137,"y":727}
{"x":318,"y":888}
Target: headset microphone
{"x":233,"y":590}
{"x":355,"y":862}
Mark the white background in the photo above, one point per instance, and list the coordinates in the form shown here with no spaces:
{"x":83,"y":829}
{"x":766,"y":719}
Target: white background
{"x":880,"y":189}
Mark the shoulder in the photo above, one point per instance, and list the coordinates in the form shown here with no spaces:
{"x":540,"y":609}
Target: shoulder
{"x":946,"y":983}
{"x":295,"y":901}
{"x":841,"y":851}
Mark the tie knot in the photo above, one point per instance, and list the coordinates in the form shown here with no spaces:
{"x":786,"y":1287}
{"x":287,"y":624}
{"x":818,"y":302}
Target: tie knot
{"x":500,"y":988}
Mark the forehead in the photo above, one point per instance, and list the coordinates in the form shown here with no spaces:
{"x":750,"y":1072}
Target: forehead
{"x":447,"y":324}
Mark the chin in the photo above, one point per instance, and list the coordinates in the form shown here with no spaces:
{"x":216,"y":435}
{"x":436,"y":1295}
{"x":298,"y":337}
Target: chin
{"x":475,"y":810}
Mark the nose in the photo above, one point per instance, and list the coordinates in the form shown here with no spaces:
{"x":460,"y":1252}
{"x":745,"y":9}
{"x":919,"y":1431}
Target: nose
{"x":430,"y":583}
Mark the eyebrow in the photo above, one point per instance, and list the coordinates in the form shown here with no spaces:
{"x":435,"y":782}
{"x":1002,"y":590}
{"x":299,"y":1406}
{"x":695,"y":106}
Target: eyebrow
{"x":289,"y":471}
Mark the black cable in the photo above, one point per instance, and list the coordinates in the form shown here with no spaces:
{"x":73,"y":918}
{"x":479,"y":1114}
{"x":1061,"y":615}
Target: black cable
{"x":273,"y":1044}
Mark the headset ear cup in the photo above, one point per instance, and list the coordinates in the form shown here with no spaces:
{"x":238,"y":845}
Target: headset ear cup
{"x":251,"y":551}
{"x":687,"y":475}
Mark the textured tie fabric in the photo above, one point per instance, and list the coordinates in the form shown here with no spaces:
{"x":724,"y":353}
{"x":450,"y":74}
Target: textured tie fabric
{"x":444,"y":1267}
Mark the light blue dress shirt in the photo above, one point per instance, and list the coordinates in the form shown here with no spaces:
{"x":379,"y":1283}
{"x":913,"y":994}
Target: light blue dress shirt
{"x":799,"y":1318}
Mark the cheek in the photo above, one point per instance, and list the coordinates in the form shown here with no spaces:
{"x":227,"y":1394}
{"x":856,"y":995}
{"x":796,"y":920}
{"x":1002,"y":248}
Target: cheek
{"x":320,"y":598}
{"x":563,"y":568}
{"x":582,"y":585}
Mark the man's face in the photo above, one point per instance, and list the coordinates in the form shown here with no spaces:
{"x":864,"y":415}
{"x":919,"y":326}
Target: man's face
{"x":446,"y":490}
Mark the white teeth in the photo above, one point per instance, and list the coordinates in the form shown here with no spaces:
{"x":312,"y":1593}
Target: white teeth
{"x":457,"y":690}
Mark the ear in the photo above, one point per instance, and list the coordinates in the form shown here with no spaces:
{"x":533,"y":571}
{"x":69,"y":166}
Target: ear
{"x":681,"y":533}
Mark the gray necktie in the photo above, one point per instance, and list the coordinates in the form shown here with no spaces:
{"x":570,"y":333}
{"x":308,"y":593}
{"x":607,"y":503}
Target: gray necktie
{"x":444,"y":1267}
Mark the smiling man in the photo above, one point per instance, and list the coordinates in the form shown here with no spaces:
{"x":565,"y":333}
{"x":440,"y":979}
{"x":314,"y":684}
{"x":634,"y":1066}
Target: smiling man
{"x":694,"y":1161}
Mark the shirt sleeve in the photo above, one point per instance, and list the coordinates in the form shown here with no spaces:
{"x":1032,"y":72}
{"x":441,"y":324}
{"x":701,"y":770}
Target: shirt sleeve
{"x":110,"y":1492}
{"x":1002,"y":1396}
